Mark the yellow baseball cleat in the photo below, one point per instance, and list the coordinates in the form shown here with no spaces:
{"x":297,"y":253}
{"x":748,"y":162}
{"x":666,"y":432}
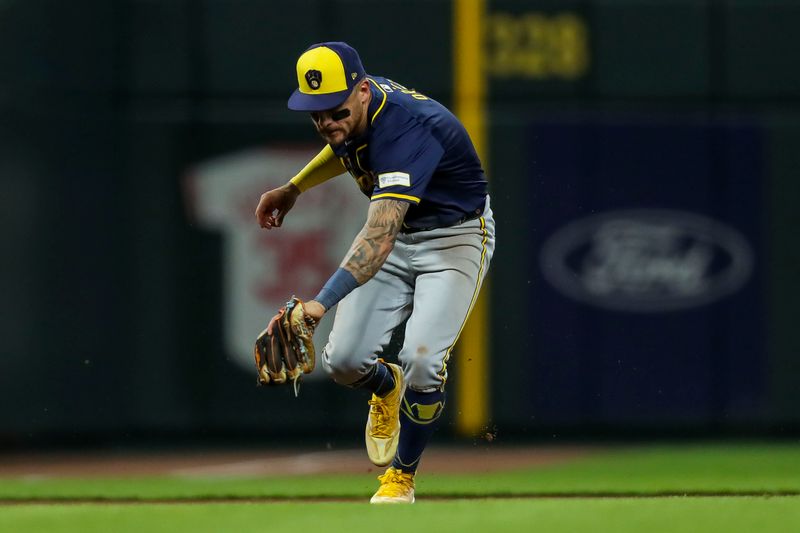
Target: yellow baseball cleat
{"x":396,"y":487}
{"x":383,"y":423}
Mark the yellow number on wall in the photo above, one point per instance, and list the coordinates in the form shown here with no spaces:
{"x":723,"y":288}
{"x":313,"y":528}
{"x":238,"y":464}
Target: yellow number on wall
{"x":537,"y":45}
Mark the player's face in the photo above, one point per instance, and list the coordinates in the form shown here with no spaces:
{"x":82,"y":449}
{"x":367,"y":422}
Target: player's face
{"x":348,"y":120}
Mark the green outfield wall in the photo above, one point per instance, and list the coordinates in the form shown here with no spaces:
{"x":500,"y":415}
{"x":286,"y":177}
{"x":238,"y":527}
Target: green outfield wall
{"x":114,"y":303}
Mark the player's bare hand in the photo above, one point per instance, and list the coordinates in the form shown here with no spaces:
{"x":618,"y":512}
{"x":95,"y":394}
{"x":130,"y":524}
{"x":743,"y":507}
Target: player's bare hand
{"x":274,"y":205}
{"x":314,"y":309}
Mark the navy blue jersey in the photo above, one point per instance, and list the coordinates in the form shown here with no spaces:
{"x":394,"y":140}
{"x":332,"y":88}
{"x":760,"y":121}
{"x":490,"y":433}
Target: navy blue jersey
{"x":415,"y":150}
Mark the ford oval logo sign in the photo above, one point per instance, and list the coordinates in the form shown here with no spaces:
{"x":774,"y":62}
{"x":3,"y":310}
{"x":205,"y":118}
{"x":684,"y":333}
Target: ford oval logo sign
{"x":646,"y":260}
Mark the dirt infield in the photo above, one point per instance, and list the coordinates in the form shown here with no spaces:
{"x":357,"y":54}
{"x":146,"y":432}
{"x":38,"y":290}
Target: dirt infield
{"x":271,"y":462}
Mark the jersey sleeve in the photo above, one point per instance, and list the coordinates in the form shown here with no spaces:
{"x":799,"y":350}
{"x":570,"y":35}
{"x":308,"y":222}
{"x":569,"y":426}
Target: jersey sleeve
{"x":404,"y":157}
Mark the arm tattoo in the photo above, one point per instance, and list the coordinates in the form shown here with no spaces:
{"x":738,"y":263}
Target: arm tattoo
{"x":375,"y":241}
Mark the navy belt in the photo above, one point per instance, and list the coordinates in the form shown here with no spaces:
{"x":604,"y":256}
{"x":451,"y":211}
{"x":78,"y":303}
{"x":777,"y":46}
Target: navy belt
{"x":472,"y":215}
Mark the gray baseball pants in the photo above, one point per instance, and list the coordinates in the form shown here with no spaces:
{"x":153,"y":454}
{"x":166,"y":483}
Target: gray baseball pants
{"x":430,"y":277}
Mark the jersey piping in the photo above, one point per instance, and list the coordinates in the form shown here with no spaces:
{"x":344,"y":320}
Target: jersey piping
{"x":396,"y":195}
{"x":385,"y":96}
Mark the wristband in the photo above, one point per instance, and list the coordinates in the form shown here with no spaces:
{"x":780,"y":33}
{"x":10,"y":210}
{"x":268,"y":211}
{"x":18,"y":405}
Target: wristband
{"x":337,"y":287}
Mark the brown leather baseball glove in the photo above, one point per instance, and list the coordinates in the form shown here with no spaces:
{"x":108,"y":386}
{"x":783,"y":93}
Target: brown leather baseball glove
{"x":284,"y":351}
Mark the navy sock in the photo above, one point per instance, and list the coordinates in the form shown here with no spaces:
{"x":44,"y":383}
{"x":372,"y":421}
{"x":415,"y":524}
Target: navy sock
{"x":419,"y":418}
{"x":379,"y":380}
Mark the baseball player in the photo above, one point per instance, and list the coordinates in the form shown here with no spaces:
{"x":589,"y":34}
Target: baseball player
{"x":421,"y":255}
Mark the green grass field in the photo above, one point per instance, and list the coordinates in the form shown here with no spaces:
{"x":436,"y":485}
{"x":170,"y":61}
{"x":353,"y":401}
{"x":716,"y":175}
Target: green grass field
{"x":743,"y":488}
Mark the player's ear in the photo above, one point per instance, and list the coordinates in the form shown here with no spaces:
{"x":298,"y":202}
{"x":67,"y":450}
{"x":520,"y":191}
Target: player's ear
{"x":363,"y":88}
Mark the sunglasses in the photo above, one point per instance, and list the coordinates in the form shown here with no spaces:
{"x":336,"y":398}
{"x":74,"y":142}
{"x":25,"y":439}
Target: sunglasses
{"x":336,"y":116}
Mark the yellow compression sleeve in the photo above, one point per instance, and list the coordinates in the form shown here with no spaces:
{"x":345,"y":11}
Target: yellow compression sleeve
{"x":320,"y":169}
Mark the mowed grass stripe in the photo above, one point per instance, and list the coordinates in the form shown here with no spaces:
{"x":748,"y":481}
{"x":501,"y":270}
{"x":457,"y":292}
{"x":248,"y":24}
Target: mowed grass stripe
{"x":620,"y":515}
{"x":352,"y":499}
{"x":661,"y":470}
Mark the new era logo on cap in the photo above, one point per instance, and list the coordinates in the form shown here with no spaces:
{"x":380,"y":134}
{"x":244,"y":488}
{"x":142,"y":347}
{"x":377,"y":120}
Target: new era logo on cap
{"x":326,"y":75}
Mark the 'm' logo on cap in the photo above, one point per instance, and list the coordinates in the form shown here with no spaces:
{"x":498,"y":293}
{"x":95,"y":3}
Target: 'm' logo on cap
{"x":314,"y":79}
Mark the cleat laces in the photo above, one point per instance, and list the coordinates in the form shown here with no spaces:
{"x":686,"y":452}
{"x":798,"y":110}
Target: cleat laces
{"x":395,"y":483}
{"x":381,"y":418}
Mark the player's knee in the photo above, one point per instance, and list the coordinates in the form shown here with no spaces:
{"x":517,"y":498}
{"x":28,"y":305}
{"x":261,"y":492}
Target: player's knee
{"x":341,"y":367}
{"x":422,"y":374}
